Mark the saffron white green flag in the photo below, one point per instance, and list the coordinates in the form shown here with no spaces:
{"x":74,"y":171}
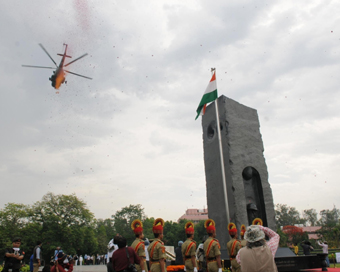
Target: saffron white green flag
{"x":209,"y":95}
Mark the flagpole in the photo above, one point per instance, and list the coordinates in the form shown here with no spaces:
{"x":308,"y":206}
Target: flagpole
{"x":213,"y":70}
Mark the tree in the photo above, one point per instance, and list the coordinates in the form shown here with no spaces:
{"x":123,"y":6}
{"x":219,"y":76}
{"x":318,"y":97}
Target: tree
{"x":295,"y":234}
{"x":14,"y":221}
{"x":200,"y":232}
{"x":329,"y":218}
{"x":102,"y":239}
{"x":174,"y":232}
{"x":310,"y":216}
{"x":64,"y":220}
{"x":108,"y":225}
{"x":147,"y":228}
{"x":330,"y":230}
{"x":283,"y":238}
{"x":122,"y":220}
{"x":13,"y":218}
{"x":286,"y":215}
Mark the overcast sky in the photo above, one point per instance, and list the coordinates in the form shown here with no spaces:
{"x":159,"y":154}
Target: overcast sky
{"x":129,"y":135}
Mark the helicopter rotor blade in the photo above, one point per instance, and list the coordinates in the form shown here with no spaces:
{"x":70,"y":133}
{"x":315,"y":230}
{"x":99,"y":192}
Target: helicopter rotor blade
{"x":76,"y":59}
{"x":43,"y":48}
{"x":32,"y":66}
{"x":76,"y":74}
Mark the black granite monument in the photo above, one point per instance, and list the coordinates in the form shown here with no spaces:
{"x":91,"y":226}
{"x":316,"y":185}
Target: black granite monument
{"x":248,"y":191}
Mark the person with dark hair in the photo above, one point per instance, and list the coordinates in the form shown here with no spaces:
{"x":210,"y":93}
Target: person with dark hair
{"x":120,"y":261}
{"x":233,"y":246}
{"x":189,"y":248}
{"x":258,"y":255}
{"x":178,"y":252}
{"x":156,"y":249}
{"x":112,"y":247}
{"x":60,"y":265}
{"x":212,"y":247}
{"x":37,"y":256}
{"x":306,"y":247}
{"x":13,"y":256}
{"x":324,"y":246}
{"x":138,"y":244}
{"x":56,"y":252}
{"x":47,"y":268}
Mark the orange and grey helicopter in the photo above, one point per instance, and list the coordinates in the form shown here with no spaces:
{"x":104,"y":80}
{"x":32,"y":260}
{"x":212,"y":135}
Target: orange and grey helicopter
{"x":59,"y":74}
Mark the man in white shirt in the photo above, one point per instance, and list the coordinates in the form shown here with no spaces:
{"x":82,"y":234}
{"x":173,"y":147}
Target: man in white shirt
{"x":37,"y":254}
{"x":324,"y":246}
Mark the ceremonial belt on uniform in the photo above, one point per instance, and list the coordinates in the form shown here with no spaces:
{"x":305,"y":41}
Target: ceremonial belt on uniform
{"x":188,"y":248}
{"x":151,"y":254}
{"x":152,"y":249}
{"x":233,"y":248}
{"x":137,"y":246}
{"x":208,"y":251}
{"x":187,"y":257}
{"x":212,"y":259}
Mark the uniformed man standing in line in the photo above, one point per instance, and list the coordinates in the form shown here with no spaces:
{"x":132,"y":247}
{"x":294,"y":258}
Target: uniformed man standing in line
{"x":138,"y":244}
{"x":243,"y":231}
{"x":156,"y":249}
{"x":233,"y":247}
{"x":189,"y":249}
{"x":212,"y":248}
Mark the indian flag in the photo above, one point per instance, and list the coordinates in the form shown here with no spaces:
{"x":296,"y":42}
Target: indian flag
{"x":209,"y":95}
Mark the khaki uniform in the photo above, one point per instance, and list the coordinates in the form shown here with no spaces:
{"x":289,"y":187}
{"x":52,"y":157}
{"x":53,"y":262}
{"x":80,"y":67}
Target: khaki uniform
{"x":233,"y":247}
{"x":188,"y":250}
{"x":243,"y":243}
{"x":156,"y":252}
{"x":211,"y":250}
{"x":139,"y":247}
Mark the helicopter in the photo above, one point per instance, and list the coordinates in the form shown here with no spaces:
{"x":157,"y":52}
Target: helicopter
{"x":58,"y":76}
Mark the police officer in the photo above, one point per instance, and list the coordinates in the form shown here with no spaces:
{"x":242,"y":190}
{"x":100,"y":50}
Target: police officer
{"x":13,"y":256}
{"x":156,"y":249}
{"x":233,"y":247}
{"x":242,"y":232}
{"x":138,"y":244}
{"x":189,"y":248}
{"x":212,"y":248}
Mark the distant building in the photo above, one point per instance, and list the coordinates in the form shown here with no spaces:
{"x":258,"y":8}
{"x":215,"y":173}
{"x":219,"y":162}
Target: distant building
{"x":195,"y":215}
{"x":312,"y":232}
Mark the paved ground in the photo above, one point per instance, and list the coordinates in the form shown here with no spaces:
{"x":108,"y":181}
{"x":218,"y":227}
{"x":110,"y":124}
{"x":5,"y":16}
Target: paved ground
{"x":90,"y":268}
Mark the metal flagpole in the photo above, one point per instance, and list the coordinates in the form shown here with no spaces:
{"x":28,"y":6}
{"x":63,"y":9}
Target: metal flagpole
{"x":213,"y":70}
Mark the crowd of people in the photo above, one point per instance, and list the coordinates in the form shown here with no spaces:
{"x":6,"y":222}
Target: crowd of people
{"x":254,"y":252}
{"x":60,"y":262}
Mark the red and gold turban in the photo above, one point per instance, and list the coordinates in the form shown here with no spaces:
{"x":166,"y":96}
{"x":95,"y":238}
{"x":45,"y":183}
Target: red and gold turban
{"x":137,"y":226}
{"x":189,"y":228}
{"x":209,"y":225}
{"x":257,"y":221}
{"x":158,"y":226}
{"x":243,"y":230}
{"x":232,"y":229}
